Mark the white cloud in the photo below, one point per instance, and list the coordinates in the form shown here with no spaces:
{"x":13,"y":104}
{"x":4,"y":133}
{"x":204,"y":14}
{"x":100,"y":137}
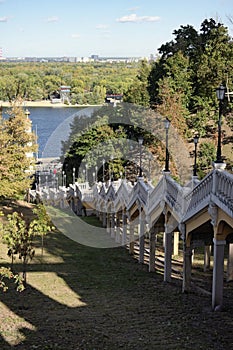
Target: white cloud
{"x":133,"y":9}
{"x":133,"y":18}
{"x":52,"y":19}
{"x":4,"y":19}
{"x":75,"y":36}
{"x":101,"y":26}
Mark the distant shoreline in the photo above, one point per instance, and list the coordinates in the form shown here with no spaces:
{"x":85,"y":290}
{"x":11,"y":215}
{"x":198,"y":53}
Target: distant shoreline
{"x":44,"y":104}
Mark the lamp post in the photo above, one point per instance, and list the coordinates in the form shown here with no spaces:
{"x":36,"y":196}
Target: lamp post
{"x":195,"y":140}
{"x":220,"y":92}
{"x":167,"y":125}
{"x":86,"y":172}
{"x":96,"y":173}
{"x":103,"y":169}
{"x":140,"y":141}
{"x":63,"y":178}
{"x":73,"y":176}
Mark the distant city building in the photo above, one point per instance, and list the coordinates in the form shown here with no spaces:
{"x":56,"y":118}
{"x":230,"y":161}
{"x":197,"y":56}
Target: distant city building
{"x":92,"y":58}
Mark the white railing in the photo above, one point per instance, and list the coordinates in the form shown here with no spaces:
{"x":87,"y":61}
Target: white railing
{"x":199,"y":197}
{"x":216,"y":188}
{"x":174,"y":195}
{"x":156,"y":195}
{"x":223,"y":191}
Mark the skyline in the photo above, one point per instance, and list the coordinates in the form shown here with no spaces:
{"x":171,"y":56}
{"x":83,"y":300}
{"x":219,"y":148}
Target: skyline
{"x":133,"y":28}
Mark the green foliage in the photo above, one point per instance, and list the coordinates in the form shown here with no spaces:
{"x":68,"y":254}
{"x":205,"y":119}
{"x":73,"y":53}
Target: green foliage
{"x":138,"y":92}
{"x":6,"y":273}
{"x":195,"y":64}
{"x":18,"y":234}
{"x":42,"y":224}
{"x":16,"y":142}
{"x":89,"y":82}
{"x":206,"y":155}
{"x":94,"y":142}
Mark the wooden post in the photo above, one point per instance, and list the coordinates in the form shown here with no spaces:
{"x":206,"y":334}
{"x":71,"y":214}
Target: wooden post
{"x":131,"y":238}
{"x":230,"y":263}
{"x":152,"y":234}
{"x":168,"y":254}
{"x":217,"y":286}
{"x":124,"y":224}
{"x":207,"y":253}
{"x":176,"y":236}
{"x":141,"y":238}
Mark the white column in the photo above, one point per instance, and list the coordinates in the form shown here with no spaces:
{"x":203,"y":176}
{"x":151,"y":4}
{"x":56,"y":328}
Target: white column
{"x":104,"y":217}
{"x":152,"y":233}
{"x":113,"y":225}
{"x":108,"y":223}
{"x":207,"y":253}
{"x":218,"y":271}
{"x":168,"y":254}
{"x":230,"y":263}
{"x":118,"y":229}
{"x":124,"y":228}
{"x":176,"y":236}
{"x":187,"y":269}
{"x":141,"y":238}
{"x":131,"y":238}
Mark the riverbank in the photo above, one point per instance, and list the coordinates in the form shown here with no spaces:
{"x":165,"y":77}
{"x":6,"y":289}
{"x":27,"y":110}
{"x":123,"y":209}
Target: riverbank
{"x":44,"y":104}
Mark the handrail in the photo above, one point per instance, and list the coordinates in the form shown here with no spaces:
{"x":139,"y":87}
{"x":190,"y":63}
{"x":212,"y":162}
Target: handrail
{"x":216,"y":188}
{"x":224,"y":189}
{"x":199,"y":196}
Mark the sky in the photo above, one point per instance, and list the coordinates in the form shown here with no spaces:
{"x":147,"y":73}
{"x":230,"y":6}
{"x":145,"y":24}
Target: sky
{"x":129,"y":28}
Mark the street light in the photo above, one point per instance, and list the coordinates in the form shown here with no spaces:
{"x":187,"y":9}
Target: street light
{"x":220,"y":92}
{"x":73,"y":176}
{"x":195,"y":140}
{"x":86,"y":172}
{"x":103,"y":169}
{"x":140,"y":141}
{"x":167,"y":125}
{"x":96,"y":173}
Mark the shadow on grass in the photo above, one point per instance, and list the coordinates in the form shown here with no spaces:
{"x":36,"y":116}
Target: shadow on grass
{"x":106,"y":300}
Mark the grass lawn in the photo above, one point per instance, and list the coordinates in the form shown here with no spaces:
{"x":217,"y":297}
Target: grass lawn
{"x":79,"y":297}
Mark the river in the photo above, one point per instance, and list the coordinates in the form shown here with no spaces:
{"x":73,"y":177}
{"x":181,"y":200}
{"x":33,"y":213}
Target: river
{"x":52,"y":125}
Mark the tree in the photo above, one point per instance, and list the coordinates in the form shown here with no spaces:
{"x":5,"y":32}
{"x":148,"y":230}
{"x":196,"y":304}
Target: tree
{"x":94,"y":142}
{"x":17,"y":143}
{"x":6,"y":273}
{"x":42,"y":225}
{"x":138,"y":92}
{"x":194,"y":64}
{"x":18,"y":233}
{"x":206,"y":154}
